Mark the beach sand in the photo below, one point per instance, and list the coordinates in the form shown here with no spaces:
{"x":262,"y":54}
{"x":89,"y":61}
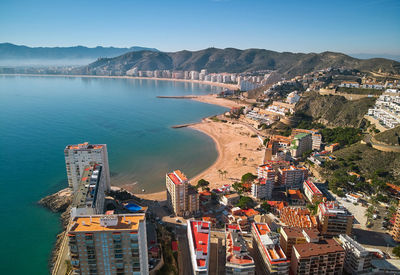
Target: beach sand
{"x":213,"y":99}
{"x":233,"y":143}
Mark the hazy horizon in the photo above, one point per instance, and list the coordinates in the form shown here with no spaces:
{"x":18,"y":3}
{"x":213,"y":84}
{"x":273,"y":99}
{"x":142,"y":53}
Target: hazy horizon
{"x":359,"y":26}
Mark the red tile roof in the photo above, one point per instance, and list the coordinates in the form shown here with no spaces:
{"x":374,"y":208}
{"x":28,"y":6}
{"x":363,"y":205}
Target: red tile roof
{"x":200,"y":239}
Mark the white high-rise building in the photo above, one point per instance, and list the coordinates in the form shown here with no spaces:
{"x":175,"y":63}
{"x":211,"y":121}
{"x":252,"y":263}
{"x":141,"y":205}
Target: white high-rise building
{"x":77,"y":157}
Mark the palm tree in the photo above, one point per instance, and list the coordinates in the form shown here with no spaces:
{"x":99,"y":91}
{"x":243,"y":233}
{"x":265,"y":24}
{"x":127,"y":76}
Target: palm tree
{"x":369,"y":213}
{"x":236,"y":160}
{"x":240,"y":144}
{"x":244,"y":160}
{"x":220,"y":172}
{"x":224,"y":173}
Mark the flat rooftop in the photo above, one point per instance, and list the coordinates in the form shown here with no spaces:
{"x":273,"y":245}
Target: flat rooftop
{"x":269,"y":244}
{"x":177,"y":177}
{"x":316,"y":249}
{"x":127,"y":222}
{"x":200,"y":233}
{"x":314,"y":189}
{"x":84,"y":146}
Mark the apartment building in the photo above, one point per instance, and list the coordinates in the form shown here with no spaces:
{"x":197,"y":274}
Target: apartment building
{"x":396,"y":226}
{"x":267,"y":245}
{"x":108,"y":244}
{"x":89,"y":197}
{"x":230,"y":199}
{"x":324,"y":257}
{"x":199,"y":245}
{"x":182,"y":199}
{"x":267,"y":172}
{"x":262,"y":189}
{"x":312,"y":192}
{"x":292,"y":177}
{"x":78,"y":156}
{"x":290,"y":236}
{"x":301,"y":143}
{"x":334,"y":219}
{"x":238,"y":259}
{"x":357,"y":259}
{"x":315,"y":136}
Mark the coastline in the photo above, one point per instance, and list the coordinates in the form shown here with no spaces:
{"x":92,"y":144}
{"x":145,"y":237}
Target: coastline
{"x":238,"y":153}
{"x":216,"y":84}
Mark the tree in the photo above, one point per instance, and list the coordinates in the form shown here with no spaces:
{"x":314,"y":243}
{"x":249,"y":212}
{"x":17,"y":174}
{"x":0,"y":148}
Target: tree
{"x":248,"y":177}
{"x":266,"y":140}
{"x":244,"y":160}
{"x":396,"y":251}
{"x":238,"y":187}
{"x":202,"y":183}
{"x":245,"y":202}
{"x":266,"y":207}
{"x":224,"y":173}
{"x":220,"y":172}
{"x":369,"y":213}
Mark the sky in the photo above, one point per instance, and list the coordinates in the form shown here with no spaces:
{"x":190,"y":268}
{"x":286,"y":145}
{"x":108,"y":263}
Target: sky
{"x":355,"y":26}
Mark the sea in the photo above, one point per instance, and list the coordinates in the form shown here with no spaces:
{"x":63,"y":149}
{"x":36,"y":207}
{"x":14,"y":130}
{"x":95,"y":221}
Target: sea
{"x":40,"y":115}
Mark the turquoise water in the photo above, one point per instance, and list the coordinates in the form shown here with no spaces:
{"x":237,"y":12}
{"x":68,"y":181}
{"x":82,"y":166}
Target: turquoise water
{"x":40,"y":115}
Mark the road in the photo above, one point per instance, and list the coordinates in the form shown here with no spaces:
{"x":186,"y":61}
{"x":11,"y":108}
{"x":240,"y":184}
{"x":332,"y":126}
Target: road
{"x":185,"y":265}
{"x":60,"y":268}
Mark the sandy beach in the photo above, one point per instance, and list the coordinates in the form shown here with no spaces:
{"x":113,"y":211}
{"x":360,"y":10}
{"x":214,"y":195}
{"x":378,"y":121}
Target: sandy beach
{"x":237,"y":152}
{"x":213,"y":99}
{"x":223,"y":85}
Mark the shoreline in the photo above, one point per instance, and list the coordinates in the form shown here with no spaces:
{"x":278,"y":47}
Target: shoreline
{"x":216,"y":84}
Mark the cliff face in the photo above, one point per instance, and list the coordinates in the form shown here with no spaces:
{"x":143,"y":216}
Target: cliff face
{"x":334,"y":111}
{"x":59,"y":201}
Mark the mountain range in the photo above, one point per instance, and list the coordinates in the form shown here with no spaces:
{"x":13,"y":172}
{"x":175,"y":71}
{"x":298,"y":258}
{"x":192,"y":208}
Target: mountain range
{"x":23,"y":55}
{"x":235,"y":61}
{"x":111,"y":60}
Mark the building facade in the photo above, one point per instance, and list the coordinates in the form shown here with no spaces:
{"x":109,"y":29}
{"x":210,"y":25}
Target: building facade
{"x":238,"y":259}
{"x":290,"y":236}
{"x":301,"y":143}
{"x":325,"y":257}
{"x":78,"y":156}
{"x":108,"y":244}
{"x":267,"y":245}
{"x":357,"y":259}
{"x":182,"y":199}
{"x":312,"y":192}
{"x":262,"y":189}
{"x":334,"y":219}
{"x":292,"y":177}
{"x":396,"y":226}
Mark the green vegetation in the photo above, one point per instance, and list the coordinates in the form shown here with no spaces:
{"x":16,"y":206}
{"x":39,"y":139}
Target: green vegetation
{"x":396,"y":251}
{"x":344,"y":136}
{"x":245,"y":202}
{"x":390,"y":137}
{"x":248,"y":177}
{"x":362,"y":160}
{"x":266,"y":207}
{"x":238,"y":186}
{"x":332,"y":111}
{"x":202,"y":183}
{"x":266,"y":140}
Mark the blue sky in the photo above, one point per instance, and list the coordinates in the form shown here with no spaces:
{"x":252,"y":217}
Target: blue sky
{"x":351,"y":26}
